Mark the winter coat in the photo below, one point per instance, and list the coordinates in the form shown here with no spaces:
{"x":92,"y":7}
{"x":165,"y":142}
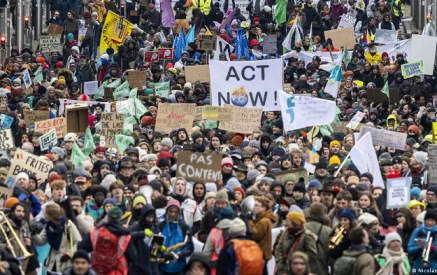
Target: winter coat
{"x":319,"y":263}
{"x":21,"y":232}
{"x":71,"y":26}
{"x":336,"y":10}
{"x":88,"y":72}
{"x":207,"y":224}
{"x":375,"y":78}
{"x":89,"y":24}
{"x":84,"y":223}
{"x":415,"y":252}
{"x":262,"y":231}
{"x":56,"y":21}
{"x":181,"y":23}
{"x":154,"y":18}
{"x":304,"y":241}
{"x":209,"y":248}
{"x":364,"y":263}
{"x":53,"y":261}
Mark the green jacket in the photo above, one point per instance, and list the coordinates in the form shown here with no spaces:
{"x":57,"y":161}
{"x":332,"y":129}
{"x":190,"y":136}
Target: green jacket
{"x":319,"y":262}
{"x":381,"y":262}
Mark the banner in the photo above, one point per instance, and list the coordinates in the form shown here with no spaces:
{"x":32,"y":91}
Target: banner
{"x":423,"y":47}
{"x":59,"y":124}
{"x":223,"y":46}
{"x":386,"y":36}
{"x":243,"y":120}
{"x":364,"y":157}
{"x":199,"y":167}
{"x":27,"y":162}
{"x":114,"y":30}
{"x":398,"y":193}
{"x":412,"y":69}
{"x":90,"y":87}
{"x":385,"y":138}
{"x":432,"y":163}
{"x":48,"y":140}
{"x":302,"y":111}
{"x":175,"y":116}
{"x":112,"y":124}
{"x":250,"y":84}
{"x":197,"y":73}
{"x":50,"y":43}
{"x":6,"y":140}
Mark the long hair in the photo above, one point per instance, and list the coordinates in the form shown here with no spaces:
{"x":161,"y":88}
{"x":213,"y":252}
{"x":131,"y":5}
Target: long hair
{"x":372,"y":201}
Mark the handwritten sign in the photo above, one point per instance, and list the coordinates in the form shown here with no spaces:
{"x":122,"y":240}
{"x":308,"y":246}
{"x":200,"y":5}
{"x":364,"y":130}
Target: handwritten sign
{"x":197,"y":73}
{"x":293,"y":175}
{"x":175,"y":116}
{"x":165,"y":53}
{"x":27,"y":162}
{"x":347,"y":21}
{"x":432,"y":163}
{"x":243,"y":120}
{"x":210,"y":112}
{"x":31,"y":116}
{"x":412,"y":69}
{"x":90,"y":87}
{"x":385,"y":138}
{"x":355,"y":120}
{"x":5,"y":194}
{"x":398,"y":193}
{"x":199,"y":167}
{"x":6,"y":140}
{"x":137,"y":79}
{"x":112,"y":124}
{"x":206,"y":42}
{"x":50,"y":43}
{"x":342,"y":37}
{"x":48,"y":140}
{"x":59,"y":124}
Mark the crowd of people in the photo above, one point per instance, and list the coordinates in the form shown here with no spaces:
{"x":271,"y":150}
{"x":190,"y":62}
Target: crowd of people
{"x":127,"y":212}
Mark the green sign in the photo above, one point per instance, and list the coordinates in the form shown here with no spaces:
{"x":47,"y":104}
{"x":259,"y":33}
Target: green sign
{"x":162,"y":89}
{"x":412,"y":69}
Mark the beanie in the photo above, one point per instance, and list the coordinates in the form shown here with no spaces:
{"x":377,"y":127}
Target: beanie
{"x":254,"y":143}
{"x":70,"y":36}
{"x":393,"y":236}
{"x":11,"y":202}
{"x":233,"y":183}
{"x":266,"y":180}
{"x":115,"y":214}
{"x":139,"y":199}
{"x":237,"y":141}
{"x":167,"y":141}
{"x":421,"y":157}
{"x":252,"y":174}
{"x":61,"y":80}
{"x":146,"y":121}
{"x":110,"y":201}
{"x":334,"y":160}
{"x":237,"y":228}
{"x":222,"y":196}
{"x":367,"y":175}
{"x":58,"y":151}
{"x":334,"y":142}
{"x":227,"y":161}
{"x":296,"y":218}
{"x":432,"y":188}
{"x":348,"y":214}
{"x":431,"y":214}
{"x":415,"y":192}
{"x":241,"y":190}
{"x":299,"y":187}
{"x":22,"y":175}
{"x":81,"y":254}
{"x":315,"y":184}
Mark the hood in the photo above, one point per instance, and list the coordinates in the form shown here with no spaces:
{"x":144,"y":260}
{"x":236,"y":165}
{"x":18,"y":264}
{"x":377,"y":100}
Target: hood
{"x":174,"y":191}
{"x":223,"y":224}
{"x":392,"y":117}
{"x":144,"y":211}
{"x":198,"y":200}
{"x":269,"y":215}
{"x":116,"y":229}
{"x":198,"y":257}
{"x":425,"y":229}
{"x":396,"y":75}
{"x":62,"y":169}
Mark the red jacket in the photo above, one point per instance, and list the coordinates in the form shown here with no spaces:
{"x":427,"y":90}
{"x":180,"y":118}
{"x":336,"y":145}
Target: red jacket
{"x":102,"y":73}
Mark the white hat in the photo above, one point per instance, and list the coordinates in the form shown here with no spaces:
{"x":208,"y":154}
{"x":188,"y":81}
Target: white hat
{"x":70,"y":137}
{"x":421,"y":217}
{"x":267,"y":9}
{"x":22,"y":175}
{"x":367,"y":219}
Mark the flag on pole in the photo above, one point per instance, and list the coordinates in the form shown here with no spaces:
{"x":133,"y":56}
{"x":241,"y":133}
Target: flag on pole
{"x":386,"y":90}
{"x":77,"y":156}
{"x":180,"y":45}
{"x":228,"y":19}
{"x":123,"y":142}
{"x":334,"y":81}
{"x":88,"y":143}
{"x":189,"y":37}
{"x":207,"y":31}
{"x":167,"y":14}
{"x":346,"y":58}
{"x":429,"y":30}
{"x":281,"y":11}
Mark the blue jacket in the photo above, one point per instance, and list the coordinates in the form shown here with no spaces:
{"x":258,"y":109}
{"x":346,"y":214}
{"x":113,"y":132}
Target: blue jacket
{"x":35,"y":205}
{"x":56,"y":21}
{"x":416,"y":252}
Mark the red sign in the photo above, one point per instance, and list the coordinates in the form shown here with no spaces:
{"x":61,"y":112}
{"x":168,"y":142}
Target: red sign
{"x":165,"y":53}
{"x":151,"y":57}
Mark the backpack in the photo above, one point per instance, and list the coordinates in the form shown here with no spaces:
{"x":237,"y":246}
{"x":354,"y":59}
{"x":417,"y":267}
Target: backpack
{"x":249,"y":258}
{"x":108,"y":251}
{"x":345,"y":265}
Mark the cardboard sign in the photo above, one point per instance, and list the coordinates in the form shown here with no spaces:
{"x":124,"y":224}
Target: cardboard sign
{"x":198,"y":114}
{"x":108,"y":94}
{"x":210,"y":112}
{"x":197,"y":73}
{"x":64,"y":102}
{"x":5,"y":194}
{"x":55,"y":29}
{"x":59,"y":124}
{"x":270,"y":44}
{"x":6,"y":140}
{"x":243,"y":120}
{"x":50,"y":43}
{"x":90,"y":87}
{"x":151,"y":57}
{"x":412,"y":69}
{"x":48,"y":140}
{"x":398,"y":193}
{"x":432,"y":163}
{"x":224,"y":113}
{"x":137,"y":79}
{"x":112,"y":124}
{"x":206,"y":42}
{"x":386,"y":36}
{"x":375,"y":95}
{"x":293,"y":175}
{"x":385,"y":138}
{"x":165,"y":53}
{"x":347,"y":21}
{"x":199,"y":167}
{"x":342,"y":37}
{"x":31,"y":116}
{"x":27,"y":162}
{"x":355,"y":120}
{"x":175,"y":116}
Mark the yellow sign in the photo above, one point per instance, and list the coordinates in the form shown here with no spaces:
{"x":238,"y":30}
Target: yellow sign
{"x":434,"y":131}
{"x":114,"y":31}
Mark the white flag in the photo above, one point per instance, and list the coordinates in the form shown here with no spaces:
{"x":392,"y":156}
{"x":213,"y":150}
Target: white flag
{"x":303,"y":111}
{"x":334,"y":82}
{"x":364,"y":157}
{"x":223,"y":46}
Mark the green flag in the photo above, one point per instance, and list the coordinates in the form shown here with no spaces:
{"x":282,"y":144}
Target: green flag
{"x":133,"y":93}
{"x":346,"y":58}
{"x":100,"y":90}
{"x":162,"y":89}
{"x":124,"y":86}
{"x":386,"y":90}
{"x":121,"y":94}
{"x":139,"y":108}
{"x":123,"y":142}
{"x":114,"y":84}
{"x":281,"y":11}
{"x":88,"y":143}
{"x":38,"y":76}
{"x":77,"y":156}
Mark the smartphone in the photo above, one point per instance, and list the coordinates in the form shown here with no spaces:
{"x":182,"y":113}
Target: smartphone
{"x":158,"y":239}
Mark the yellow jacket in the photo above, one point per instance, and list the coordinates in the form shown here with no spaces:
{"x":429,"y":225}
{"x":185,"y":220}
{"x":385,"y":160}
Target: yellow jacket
{"x":398,"y":8}
{"x":99,"y":7}
{"x":376,"y":58}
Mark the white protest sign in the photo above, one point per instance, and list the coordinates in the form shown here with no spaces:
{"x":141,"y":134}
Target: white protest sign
{"x":26,"y":78}
{"x":63,"y":102}
{"x":309,"y":167}
{"x":250,"y":84}
{"x":364,"y":157}
{"x":385,"y":138}
{"x":432,"y":163}
{"x":423,"y":47}
{"x":347,"y":21}
{"x":398,"y":193}
{"x":90,"y":87}
{"x":301,"y":111}
{"x":6,"y":140}
{"x":355,"y":120}
{"x":50,"y":43}
{"x":48,"y":140}
{"x":386,"y":36}
{"x":393,"y":49}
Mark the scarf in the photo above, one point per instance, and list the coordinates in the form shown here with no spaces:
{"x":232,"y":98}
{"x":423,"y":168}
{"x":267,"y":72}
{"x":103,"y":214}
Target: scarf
{"x":392,"y":258}
{"x":55,"y":232}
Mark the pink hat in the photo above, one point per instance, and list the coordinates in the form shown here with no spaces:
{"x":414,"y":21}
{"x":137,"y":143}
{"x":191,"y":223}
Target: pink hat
{"x":227,"y":161}
{"x":174,"y":202}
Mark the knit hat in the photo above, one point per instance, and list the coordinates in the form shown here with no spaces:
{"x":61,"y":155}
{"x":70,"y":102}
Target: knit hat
{"x":254,"y":143}
{"x":4,"y":171}
{"x":366,"y":219}
{"x":299,"y":187}
{"x":222,"y":196}
{"x":368,"y":176}
{"x":421,"y":157}
{"x":431,"y":214}
{"x":233,"y":56}
{"x":61,"y":80}
{"x":70,"y":36}
{"x":432,"y":188}
{"x":334,"y":142}
{"x":348,"y":214}
{"x":252,"y":174}
{"x":237,"y":141}
{"x":266,"y":180}
{"x":315,"y":184}
{"x":58,"y":151}
{"x":139,"y":199}
{"x":211,"y":187}
{"x":241,"y":190}
{"x":233,"y":182}
{"x":334,"y":160}
{"x":410,"y":141}
{"x":237,"y":228}
{"x":393,"y":236}
{"x":296,"y":218}
{"x":167,"y":141}
{"x":278,"y":151}
{"x":352,"y":180}
{"x":115,"y":214}
{"x":362,"y":187}
{"x":210,"y":194}
{"x":110,"y":201}
{"x":22,"y":175}
{"x":227,"y":161}
{"x":396,"y":159}
{"x":81,"y":254}
{"x":415,"y":192}
{"x":11,"y":202}
{"x":413,"y":128}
